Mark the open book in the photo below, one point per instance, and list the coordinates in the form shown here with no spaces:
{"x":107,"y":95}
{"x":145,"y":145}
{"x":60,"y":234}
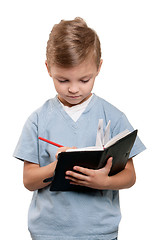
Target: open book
{"x":102,"y":139}
{"x":94,"y":157}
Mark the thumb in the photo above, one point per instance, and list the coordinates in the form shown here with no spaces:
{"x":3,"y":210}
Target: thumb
{"x":108,"y":165}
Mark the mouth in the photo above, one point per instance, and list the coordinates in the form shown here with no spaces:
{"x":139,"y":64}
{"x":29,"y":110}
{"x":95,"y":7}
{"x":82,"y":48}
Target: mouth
{"x":73,"y":97}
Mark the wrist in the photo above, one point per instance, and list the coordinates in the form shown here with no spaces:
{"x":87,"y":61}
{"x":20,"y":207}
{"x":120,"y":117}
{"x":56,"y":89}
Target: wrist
{"x":51,"y":169}
{"x":108,"y":183}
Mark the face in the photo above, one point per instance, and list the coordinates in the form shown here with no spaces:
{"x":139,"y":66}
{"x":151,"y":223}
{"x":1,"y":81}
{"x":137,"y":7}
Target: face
{"x":74,"y":85}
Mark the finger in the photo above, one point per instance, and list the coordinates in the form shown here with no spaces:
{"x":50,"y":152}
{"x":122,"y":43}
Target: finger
{"x":77,"y":181}
{"x":74,"y":180}
{"x":85,"y":171}
{"x":73,"y":175}
{"x":62,"y":149}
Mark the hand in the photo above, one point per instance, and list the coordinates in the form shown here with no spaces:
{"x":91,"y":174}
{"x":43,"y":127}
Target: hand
{"x":63,"y":149}
{"x":97,"y":179}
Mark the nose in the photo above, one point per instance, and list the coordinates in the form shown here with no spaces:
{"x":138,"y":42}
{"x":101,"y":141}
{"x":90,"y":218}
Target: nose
{"x":73,"y":88}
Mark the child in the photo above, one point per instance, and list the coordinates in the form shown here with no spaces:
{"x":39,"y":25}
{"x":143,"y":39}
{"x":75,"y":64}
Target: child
{"x":71,"y":119}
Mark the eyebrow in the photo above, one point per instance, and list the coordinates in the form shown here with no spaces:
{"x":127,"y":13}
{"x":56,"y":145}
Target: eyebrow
{"x":63,"y":78}
{"x":58,"y":76}
{"x":87,"y":76}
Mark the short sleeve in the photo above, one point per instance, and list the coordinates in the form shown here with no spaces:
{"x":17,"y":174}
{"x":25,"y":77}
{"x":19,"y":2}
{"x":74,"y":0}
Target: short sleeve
{"x":27,"y":146}
{"x":124,"y":124}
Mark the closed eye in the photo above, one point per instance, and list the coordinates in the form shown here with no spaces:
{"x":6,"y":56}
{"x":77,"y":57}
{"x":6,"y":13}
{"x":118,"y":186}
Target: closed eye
{"x":62,"y":81}
{"x":85,"y":81}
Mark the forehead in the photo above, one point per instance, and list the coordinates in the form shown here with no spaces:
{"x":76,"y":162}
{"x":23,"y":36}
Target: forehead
{"x":87,"y":67}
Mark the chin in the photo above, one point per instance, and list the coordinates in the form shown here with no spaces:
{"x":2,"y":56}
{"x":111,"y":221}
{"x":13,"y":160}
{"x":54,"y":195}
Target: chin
{"x":74,"y":101}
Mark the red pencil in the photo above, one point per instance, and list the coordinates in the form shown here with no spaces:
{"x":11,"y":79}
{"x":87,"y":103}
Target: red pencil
{"x":48,"y":141}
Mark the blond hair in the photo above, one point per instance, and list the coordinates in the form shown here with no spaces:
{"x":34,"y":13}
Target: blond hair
{"x":71,"y":42}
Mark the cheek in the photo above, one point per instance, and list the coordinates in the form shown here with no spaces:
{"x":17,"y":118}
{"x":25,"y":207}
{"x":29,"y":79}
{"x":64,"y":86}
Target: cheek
{"x":60,"y":88}
{"x":88,"y":87}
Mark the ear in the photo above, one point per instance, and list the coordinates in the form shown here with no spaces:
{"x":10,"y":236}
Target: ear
{"x":100,"y":64}
{"x":48,"y":69}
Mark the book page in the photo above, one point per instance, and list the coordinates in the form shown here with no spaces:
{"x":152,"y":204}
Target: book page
{"x":102,"y":140}
{"x":94,"y":148}
{"x":116,"y":138}
{"x":107,"y":133}
{"x":99,"y":137}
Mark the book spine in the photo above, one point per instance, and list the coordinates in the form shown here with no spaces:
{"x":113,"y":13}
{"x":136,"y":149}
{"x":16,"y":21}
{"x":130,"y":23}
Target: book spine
{"x":103,"y":160}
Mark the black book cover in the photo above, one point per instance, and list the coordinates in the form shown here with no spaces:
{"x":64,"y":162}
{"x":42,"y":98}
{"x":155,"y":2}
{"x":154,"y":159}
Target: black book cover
{"x":120,"y":152}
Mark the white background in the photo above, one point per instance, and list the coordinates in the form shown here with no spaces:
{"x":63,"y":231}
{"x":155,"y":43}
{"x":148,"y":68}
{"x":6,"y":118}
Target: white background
{"x":129,"y":34}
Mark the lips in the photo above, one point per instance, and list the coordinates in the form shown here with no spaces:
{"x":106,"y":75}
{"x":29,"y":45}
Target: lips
{"x":74,"y":97}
